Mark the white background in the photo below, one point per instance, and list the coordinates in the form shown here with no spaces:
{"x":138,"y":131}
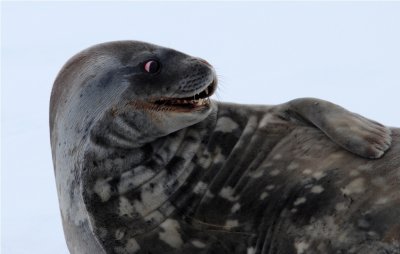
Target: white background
{"x":264,"y":53}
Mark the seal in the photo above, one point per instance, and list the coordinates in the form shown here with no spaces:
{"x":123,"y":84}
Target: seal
{"x":146,"y":162}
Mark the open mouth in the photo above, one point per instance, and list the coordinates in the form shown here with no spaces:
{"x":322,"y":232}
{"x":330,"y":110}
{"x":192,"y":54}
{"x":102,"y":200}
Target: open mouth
{"x":198,"y":100}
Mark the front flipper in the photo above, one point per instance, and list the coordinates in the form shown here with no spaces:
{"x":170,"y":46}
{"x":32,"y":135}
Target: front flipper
{"x":353,"y":132}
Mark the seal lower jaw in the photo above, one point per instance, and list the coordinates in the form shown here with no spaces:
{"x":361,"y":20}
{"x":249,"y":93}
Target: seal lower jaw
{"x":184,"y":105}
{"x":197,"y":102}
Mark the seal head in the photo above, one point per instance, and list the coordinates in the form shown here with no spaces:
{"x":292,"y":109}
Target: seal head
{"x":158,"y":90}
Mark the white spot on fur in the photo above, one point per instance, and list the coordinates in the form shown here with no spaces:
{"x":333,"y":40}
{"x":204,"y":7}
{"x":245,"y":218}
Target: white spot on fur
{"x":200,"y":187}
{"x":132,"y":246}
{"x":334,"y":156}
{"x":140,"y":207}
{"x":355,"y":186}
{"x":294,"y":210}
{"x":235,"y":208}
{"x":155,"y":218}
{"x":270,"y":187}
{"x":325,"y":228}
{"x":218,"y":156}
{"x":318,"y":175}
{"x":343,"y":237}
{"x":354,"y":173}
{"x":227,"y":193}
{"x":225,"y":124}
{"x":251,"y":250}
{"x":277,"y":157}
{"x":102,"y":189}
{"x":299,"y":201}
{"x":301,"y":247}
{"x":340,"y":206}
{"x":382,"y":201}
{"x":264,"y":195}
{"x":171,"y":234}
{"x":119,"y":234}
{"x":275,"y":172}
{"x":231,"y":223}
{"x":307,"y":171}
{"x":256,"y":174}
{"x":125,"y":207}
{"x":293,"y":165}
{"x":317,"y":189}
{"x":151,"y":198}
{"x":267,"y":164}
{"x":198,"y":244}
{"x":364,"y":167}
{"x":205,"y":160}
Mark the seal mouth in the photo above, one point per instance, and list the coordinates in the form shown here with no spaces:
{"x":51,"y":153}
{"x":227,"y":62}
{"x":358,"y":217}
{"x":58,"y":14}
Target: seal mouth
{"x":197,"y":101}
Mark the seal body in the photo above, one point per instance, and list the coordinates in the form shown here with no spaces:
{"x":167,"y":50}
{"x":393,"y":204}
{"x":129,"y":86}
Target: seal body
{"x":139,"y":172}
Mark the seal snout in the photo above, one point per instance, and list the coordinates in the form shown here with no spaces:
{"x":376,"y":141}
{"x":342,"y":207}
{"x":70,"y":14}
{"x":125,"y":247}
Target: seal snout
{"x":196,"y":82}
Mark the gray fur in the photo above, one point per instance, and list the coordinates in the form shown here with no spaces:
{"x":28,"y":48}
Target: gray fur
{"x":137,"y":177}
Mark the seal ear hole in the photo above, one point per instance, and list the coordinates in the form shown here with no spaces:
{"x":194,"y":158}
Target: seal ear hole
{"x":151,"y":66}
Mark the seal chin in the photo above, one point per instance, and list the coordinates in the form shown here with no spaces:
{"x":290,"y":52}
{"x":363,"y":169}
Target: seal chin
{"x":199,"y":101}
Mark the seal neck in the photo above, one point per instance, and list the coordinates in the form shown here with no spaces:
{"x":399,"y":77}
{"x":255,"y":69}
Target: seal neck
{"x":146,"y":181}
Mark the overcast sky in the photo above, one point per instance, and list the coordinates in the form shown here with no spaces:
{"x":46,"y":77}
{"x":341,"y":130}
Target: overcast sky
{"x":264,"y":53}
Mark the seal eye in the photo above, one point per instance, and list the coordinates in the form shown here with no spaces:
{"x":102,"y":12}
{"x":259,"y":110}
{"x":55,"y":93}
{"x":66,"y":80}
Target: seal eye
{"x":151,"y":66}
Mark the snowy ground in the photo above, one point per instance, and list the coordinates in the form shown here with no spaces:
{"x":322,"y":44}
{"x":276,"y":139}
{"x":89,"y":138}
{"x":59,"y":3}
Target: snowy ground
{"x":264,"y":53}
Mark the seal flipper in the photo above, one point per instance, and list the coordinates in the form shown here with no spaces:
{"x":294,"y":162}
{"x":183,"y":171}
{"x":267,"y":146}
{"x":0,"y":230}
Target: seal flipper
{"x":353,"y":132}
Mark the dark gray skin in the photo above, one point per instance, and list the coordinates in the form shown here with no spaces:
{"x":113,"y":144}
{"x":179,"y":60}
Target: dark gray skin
{"x":139,"y":176}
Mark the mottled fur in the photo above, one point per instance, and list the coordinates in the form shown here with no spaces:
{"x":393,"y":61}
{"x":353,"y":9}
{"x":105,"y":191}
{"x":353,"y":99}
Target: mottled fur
{"x":134,"y":178}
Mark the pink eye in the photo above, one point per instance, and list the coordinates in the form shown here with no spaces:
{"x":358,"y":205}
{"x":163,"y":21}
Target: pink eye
{"x":151,"y":66}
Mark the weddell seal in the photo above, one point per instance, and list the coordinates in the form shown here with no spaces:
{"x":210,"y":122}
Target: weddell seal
{"x":145,"y":162}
